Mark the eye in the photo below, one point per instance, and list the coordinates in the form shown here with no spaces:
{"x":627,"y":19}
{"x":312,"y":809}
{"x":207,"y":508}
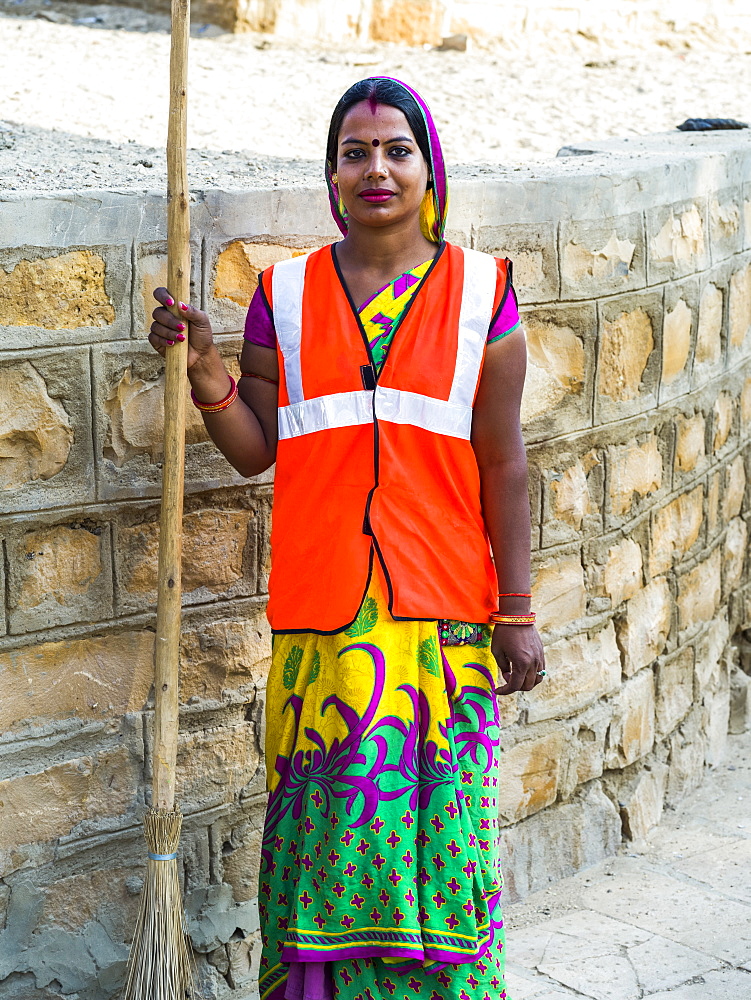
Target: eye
{"x":353,"y":154}
{"x":400,"y":151}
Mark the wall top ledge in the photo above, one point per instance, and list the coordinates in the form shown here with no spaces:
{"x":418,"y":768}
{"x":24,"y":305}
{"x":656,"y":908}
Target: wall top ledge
{"x":588,"y":180}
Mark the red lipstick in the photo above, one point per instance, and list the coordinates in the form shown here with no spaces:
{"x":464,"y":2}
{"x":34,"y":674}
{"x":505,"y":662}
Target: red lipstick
{"x":376,"y":195}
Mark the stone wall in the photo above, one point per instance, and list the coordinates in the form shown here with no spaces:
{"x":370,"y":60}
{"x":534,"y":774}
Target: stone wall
{"x":633,"y":265}
{"x":427,"y":22}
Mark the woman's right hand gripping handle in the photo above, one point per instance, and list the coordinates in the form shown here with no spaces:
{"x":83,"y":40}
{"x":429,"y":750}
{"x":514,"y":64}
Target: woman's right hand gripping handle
{"x":245,"y":432}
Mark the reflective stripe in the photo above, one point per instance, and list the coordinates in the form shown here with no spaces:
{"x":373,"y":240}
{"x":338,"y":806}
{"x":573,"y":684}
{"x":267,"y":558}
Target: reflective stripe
{"x":345,"y":409}
{"x":287,"y":280}
{"x":478,"y":294}
{"x":438,"y":415}
{"x":340,"y":409}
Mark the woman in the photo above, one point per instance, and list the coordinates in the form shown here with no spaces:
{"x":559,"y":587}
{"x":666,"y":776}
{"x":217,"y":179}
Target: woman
{"x":383,"y":375}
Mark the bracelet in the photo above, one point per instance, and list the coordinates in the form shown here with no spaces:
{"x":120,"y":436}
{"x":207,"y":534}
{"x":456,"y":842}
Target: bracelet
{"x":222,"y":404}
{"x":514,"y":595}
{"x":498,"y":619}
{"x":261,"y":377}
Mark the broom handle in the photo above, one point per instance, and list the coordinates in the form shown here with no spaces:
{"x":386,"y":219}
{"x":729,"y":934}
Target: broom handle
{"x":166,"y":721}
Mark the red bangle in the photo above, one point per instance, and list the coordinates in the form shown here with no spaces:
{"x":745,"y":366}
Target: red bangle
{"x":222,"y":404}
{"x":514,"y":595}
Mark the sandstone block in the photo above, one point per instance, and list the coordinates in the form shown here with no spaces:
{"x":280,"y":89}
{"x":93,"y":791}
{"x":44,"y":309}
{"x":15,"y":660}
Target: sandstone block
{"x":225,"y":660}
{"x":215,"y":765}
{"x":722,"y":412}
{"x":58,"y":574}
{"x":590,"y":741}
{"x":734,"y":489}
{"x":36,"y":435}
{"x":699,"y":592}
{"x":92,"y":678}
{"x":238,"y":845}
{"x":676,"y":341}
{"x":128,"y":383}
{"x":626,"y":344}
{"x":641,"y":798}
{"x":675,"y":690}
{"x":708,"y":354}
{"x":572,"y":497}
{"x":678,"y":241}
{"x":532,"y":770}
{"x":532,"y":249}
{"x":689,"y":441}
{"x":558,"y":385}
{"x":622,"y":576}
{"x":735,"y":553}
{"x":717,"y":703}
{"x":686,"y":762}
{"x":561,"y":840}
{"x":135,"y":408}
{"x":628,"y":355}
{"x":234,"y":278}
{"x":713,"y":503}
{"x":73,"y":901}
{"x":740,"y":703}
{"x":558,"y":593}
{"x":644,"y":628}
{"x":675,"y":530}
{"x":725,"y":224}
{"x":635,"y":469}
{"x":739,"y":313}
{"x":46,"y":452}
{"x":602,"y":257}
{"x":632,"y":731}
{"x":70,"y":297}
{"x":216,"y":556}
{"x":711,"y":654}
{"x":51,"y":803}
{"x":746,"y":404}
{"x":580,"y":670}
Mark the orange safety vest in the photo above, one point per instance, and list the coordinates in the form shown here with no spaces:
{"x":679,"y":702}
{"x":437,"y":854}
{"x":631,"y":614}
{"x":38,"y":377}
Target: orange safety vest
{"x":379,"y":465}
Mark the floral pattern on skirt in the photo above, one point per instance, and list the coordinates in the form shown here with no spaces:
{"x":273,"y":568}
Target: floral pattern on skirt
{"x":380,"y":854}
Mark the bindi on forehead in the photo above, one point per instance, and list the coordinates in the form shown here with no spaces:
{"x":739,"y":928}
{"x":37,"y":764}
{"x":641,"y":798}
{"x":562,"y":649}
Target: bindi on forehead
{"x":376,"y":142}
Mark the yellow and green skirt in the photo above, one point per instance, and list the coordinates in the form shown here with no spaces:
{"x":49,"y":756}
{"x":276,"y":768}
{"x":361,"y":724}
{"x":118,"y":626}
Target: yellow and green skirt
{"x":380,"y":875}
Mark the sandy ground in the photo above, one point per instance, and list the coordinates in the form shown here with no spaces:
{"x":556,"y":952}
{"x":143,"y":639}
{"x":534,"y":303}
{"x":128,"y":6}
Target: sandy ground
{"x":71,"y":72}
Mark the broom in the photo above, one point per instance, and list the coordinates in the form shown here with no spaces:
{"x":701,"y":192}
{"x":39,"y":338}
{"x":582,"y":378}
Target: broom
{"x":160,"y":963}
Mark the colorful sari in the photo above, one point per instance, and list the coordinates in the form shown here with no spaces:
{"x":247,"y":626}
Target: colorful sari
{"x":380,"y":877}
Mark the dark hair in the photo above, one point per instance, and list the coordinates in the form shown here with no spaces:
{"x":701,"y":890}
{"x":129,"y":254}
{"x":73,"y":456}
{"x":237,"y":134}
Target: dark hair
{"x":378,"y":90}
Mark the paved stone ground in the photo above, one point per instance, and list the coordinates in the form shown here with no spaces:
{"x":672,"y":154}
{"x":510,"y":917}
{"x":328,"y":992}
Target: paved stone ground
{"x":669,"y":918}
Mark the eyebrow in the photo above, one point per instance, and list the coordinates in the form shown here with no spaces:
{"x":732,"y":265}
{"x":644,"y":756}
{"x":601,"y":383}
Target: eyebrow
{"x":362,"y":142}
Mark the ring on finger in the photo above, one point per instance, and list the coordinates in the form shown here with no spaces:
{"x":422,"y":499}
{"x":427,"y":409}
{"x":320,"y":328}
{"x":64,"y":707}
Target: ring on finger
{"x":541,"y":673}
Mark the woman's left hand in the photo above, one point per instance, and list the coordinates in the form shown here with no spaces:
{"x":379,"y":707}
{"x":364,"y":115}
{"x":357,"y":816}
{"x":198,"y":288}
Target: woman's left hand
{"x":520,"y":657}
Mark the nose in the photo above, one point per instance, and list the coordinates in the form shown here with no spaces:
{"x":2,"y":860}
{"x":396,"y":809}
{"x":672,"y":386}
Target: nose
{"x":377,"y":166}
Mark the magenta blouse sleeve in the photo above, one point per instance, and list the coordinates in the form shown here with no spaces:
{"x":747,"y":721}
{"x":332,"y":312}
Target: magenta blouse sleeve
{"x":506,"y":320}
{"x":259,"y":323}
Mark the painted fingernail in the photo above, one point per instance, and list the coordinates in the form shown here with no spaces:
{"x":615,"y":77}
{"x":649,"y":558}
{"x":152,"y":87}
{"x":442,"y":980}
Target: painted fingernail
{"x":180,"y":336}
{"x":171,"y":343}
{"x":180,"y":326}
{"x":170,"y":302}
{"x":183,"y":307}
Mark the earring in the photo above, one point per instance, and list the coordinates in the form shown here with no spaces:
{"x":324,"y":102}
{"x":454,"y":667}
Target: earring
{"x":334,"y":178}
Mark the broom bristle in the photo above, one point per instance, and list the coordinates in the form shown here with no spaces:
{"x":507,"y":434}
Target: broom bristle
{"x":160,"y":965}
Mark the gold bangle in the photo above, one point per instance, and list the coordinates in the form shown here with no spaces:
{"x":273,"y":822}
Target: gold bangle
{"x":498,"y":619}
